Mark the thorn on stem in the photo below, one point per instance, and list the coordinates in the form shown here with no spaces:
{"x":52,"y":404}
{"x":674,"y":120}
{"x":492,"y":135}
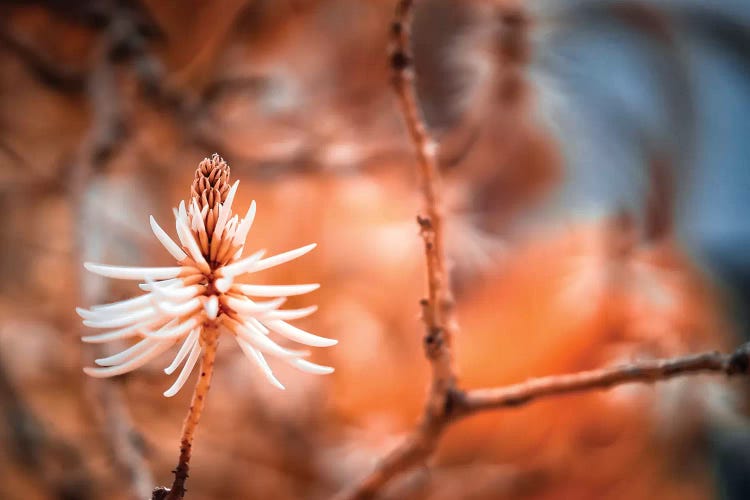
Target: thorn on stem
{"x":433,"y":341}
{"x":424,"y":222}
{"x":400,"y":61}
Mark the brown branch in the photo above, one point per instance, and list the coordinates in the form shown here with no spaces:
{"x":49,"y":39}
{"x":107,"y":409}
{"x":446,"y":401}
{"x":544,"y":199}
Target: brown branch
{"x":647,"y":371}
{"x":437,"y":308}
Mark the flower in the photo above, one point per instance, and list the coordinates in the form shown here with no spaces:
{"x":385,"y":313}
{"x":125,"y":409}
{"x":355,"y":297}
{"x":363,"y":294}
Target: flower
{"x":196,"y":300}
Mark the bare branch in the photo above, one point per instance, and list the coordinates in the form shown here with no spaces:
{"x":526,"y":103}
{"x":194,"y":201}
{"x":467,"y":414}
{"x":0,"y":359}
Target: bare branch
{"x":437,"y":308}
{"x":648,"y":371}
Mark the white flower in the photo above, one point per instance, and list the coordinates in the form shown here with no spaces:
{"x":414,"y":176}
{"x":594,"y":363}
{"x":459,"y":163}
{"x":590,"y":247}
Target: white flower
{"x":198,"y":298}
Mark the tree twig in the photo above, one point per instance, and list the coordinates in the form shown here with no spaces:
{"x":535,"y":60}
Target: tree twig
{"x":437,"y":308}
{"x":647,"y":371}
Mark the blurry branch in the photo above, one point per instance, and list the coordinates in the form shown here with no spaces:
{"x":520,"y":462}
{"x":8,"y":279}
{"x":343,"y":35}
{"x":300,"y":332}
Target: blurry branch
{"x":446,"y":402}
{"x":47,"y":71}
{"x":55,"y":464}
{"x":647,"y":371}
{"x":437,"y":308}
{"x":107,"y":132}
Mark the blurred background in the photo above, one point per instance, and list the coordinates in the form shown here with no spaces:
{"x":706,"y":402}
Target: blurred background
{"x":596,"y":163}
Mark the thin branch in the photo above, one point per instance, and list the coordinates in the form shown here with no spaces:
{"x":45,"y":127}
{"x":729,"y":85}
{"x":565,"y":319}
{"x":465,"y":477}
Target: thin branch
{"x":647,"y":371}
{"x":437,"y":308}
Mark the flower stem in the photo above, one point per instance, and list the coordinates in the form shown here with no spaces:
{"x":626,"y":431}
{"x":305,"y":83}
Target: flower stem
{"x":210,"y":339}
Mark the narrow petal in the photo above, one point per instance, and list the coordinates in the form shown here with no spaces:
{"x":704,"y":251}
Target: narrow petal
{"x":179,"y":309}
{"x":211,"y":306}
{"x":189,"y":241}
{"x":298,"y":335}
{"x":123,"y":305}
{"x":290,"y":314}
{"x":223,"y":284}
{"x":124,"y":320}
{"x":128,"y":353}
{"x":309,"y":367}
{"x":184,"y":350}
{"x":151,"y":285}
{"x":281,"y":258}
{"x":247,"y":306}
{"x":241,"y":234}
{"x":138,"y":361}
{"x":258,"y":325}
{"x":276,"y":290}
{"x":168,"y":243}
{"x":133,"y":273}
{"x":241,"y":266}
{"x":221,"y":222}
{"x":169,"y":332}
{"x":122,"y":333}
{"x":259,"y":361}
{"x":230,"y":196}
{"x":179,"y":294}
{"x":186,"y":370}
{"x":200,"y":226}
{"x":182,"y":214}
{"x":260,"y":341}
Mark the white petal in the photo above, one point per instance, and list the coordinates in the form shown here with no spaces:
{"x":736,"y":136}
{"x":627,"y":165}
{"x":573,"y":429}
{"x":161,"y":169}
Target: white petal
{"x":230,"y":196}
{"x":298,"y":335}
{"x":189,"y":241}
{"x":259,"y":361}
{"x":223,"y":284}
{"x":309,"y":367}
{"x":124,"y":320}
{"x":179,"y":309}
{"x":122,"y":333}
{"x":186,"y":370}
{"x":178,"y":294}
{"x":168,"y":331}
{"x":123,"y":305}
{"x":221,"y":221}
{"x":133,"y":273}
{"x":127,"y":354}
{"x":211,"y":307}
{"x":261,"y":342}
{"x":231,"y":228}
{"x":258,"y":325}
{"x":197,"y":216}
{"x":168,"y":243}
{"x":241,"y":266}
{"x":241,"y":234}
{"x":276,"y":290}
{"x":282,"y":258}
{"x":290,"y":314}
{"x":247,"y":306}
{"x":138,"y":361}
{"x":184,"y":350}
{"x":182,"y":212}
{"x":151,"y":285}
